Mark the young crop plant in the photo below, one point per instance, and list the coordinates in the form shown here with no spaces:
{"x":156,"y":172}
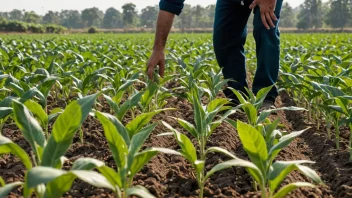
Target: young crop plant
{"x":252,"y":104}
{"x":204,"y":126}
{"x":343,"y":107}
{"x":43,"y":175}
{"x":155,"y":94}
{"x":125,"y":143}
{"x":50,"y":152}
{"x":262,"y":153}
{"x":214,"y":82}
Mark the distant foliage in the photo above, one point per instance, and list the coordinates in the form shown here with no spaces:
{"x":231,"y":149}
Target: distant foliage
{"x":19,"y":26}
{"x":310,"y":14}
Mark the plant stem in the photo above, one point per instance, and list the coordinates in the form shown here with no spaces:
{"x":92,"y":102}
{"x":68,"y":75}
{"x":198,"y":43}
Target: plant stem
{"x":337,"y":134}
{"x":263,"y":189}
{"x":328,"y":127}
{"x":201,"y":192}
{"x":309,"y":111}
{"x":201,"y":181}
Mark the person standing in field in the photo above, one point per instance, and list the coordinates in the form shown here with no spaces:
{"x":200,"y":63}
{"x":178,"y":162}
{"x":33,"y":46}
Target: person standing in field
{"x":230,"y":32}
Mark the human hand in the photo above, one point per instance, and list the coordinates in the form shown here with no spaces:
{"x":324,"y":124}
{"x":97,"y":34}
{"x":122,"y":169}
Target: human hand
{"x":156,"y":59}
{"x":267,"y":8}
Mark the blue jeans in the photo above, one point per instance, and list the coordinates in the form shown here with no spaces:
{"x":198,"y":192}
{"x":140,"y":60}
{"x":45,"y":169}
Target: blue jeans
{"x":230,"y":33}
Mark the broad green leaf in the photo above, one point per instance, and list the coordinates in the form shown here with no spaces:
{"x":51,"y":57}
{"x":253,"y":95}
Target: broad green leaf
{"x":47,"y":85}
{"x":86,"y":164}
{"x":285,"y":141}
{"x":238,"y":95}
{"x":112,"y":103}
{"x":140,"y":121}
{"x":250,"y":111}
{"x":57,"y":187}
{"x":260,"y":97}
{"x":54,"y":113}
{"x":279,"y":171}
{"x":41,"y":175}
{"x":113,"y":177}
{"x":5,"y":190}
{"x":141,"y":159}
{"x":139,"y":191}
{"x":199,"y":115}
{"x":93,"y":178}
{"x":37,"y":109}
{"x":291,"y":187}
{"x":220,"y":150}
{"x":255,"y":172}
{"x":187,"y":148}
{"x":254,"y":144}
{"x":264,"y":114}
{"x":137,"y":142}
{"x":149,"y":94}
{"x":269,"y":131}
{"x":66,"y":125}
{"x":29,"y":126}
{"x":31,"y":93}
{"x":188,"y":126}
{"x":214,"y":104}
{"x":343,"y":103}
{"x":116,"y":142}
{"x":7,"y":146}
{"x":5,"y":111}
{"x":133,"y":101}
{"x":310,"y":173}
{"x":119,"y":127}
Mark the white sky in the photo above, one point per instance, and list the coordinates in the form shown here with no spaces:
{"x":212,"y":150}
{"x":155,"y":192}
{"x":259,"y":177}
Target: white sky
{"x":41,"y":6}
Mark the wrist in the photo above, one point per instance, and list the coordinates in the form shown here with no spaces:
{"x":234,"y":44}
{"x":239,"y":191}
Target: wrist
{"x":158,"y":48}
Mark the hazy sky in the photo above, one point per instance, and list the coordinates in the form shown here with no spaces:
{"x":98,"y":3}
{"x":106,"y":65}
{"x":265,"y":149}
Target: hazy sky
{"x":41,"y":6}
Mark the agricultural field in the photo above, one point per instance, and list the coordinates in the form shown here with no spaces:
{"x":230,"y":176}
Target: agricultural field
{"x":80,"y":118}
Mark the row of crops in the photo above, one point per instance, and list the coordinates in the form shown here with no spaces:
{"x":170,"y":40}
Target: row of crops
{"x":80,"y":75}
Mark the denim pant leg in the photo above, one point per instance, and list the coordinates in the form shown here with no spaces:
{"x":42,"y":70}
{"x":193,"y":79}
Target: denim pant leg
{"x":230,"y":33}
{"x":268,"y":53}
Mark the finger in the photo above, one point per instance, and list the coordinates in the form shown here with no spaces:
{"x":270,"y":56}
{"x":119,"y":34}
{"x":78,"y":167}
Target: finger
{"x":253,"y":4}
{"x":162,"y":68}
{"x":268,"y":18}
{"x":273,"y":16}
{"x":151,"y":70}
{"x":262,"y":15}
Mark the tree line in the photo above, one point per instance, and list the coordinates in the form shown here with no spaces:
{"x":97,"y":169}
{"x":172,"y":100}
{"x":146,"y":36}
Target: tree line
{"x":311,"y":14}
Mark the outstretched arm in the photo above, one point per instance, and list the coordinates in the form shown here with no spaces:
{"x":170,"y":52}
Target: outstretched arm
{"x":163,"y":27}
{"x":168,"y":10}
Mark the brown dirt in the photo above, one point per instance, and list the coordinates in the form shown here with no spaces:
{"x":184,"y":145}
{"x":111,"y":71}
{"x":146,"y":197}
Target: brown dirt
{"x":171,"y":176}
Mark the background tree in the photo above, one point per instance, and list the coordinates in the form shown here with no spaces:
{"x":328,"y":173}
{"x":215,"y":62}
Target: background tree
{"x":340,"y":13}
{"x":149,"y":16}
{"x":129,"y":15}
{"x":51,"y":17}
{"x":71,"y":19}
{"x":288,"y":19}
{"x":210,"y":10}
{"x":16,"y":15}
{"x":112,"y":19}
{"x":185,"y":19}
{"x":92,"y":17}
{"x":198,"y":16}
{"x":310,"y":15}
{"x":31,"y":17}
